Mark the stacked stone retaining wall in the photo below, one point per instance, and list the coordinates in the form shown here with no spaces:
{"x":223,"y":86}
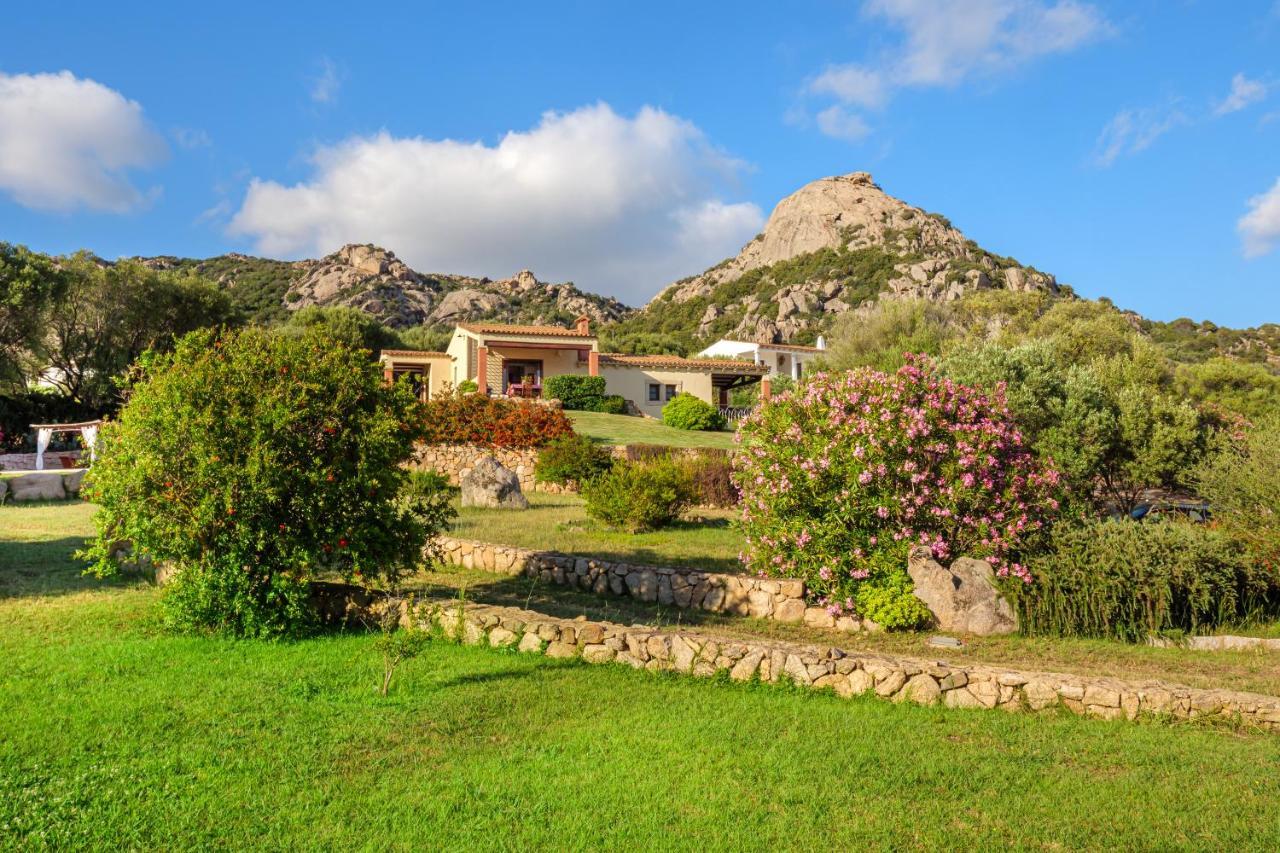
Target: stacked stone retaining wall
{"x":715,"y":592}
{"x":845,"y":672}
{"x":455,"y":461}
{"x":27,"y":461}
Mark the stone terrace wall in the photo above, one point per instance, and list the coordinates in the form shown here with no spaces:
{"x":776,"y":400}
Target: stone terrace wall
{"x":456,"y":460}
{"x":847,"y":673}
{"x":27,"y":461}
{"x":715,"y":592}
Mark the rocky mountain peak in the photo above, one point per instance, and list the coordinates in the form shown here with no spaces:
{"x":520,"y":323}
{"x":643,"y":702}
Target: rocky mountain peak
{"x":831,"y":246}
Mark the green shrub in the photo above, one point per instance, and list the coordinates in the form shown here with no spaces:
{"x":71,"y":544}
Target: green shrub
{"x":1129,"y":580}
{"x":571,"y":459}
{"x":1241,"y":481}
{"x":467,"y":386}
{"x":637,"y":497}
{"x":710,"y":474}
{"x":612,"y":404}
{"x":576,"y":392}
{"x":253,"y":463}
{"x":685,"y":411}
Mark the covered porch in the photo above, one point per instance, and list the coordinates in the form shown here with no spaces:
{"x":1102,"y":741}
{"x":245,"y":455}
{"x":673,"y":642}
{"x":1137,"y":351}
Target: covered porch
{"x":517,"y":369}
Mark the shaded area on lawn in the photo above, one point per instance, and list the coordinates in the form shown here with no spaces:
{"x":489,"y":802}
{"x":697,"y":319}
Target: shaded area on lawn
{"x":37,"y":542}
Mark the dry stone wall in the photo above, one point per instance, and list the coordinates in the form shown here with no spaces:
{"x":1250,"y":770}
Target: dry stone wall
{"x":715,"y":592}
{"x":848,"y":673}
{"x":27,"y":461}
{"x":455,"y":461}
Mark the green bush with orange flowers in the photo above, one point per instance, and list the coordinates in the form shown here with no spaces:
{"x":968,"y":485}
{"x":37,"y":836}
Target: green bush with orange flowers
{"x":254,"y":462}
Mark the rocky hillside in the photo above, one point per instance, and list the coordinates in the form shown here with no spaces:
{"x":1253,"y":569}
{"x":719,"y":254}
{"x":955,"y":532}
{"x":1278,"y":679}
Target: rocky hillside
{"x":375,"y":281}
{"x":830,"y":247}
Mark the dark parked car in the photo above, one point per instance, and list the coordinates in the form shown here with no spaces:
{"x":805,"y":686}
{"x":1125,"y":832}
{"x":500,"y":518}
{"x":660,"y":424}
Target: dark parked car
{"x":1197,"y":511}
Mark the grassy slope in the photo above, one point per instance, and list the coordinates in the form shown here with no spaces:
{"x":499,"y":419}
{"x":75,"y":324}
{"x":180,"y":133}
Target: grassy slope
{"x":625,"y":429}
{"x":117,"y":737}
{"x":558,"y":523}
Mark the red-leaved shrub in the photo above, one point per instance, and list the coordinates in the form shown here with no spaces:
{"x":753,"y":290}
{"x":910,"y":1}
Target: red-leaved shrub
{"x":492,"y":421}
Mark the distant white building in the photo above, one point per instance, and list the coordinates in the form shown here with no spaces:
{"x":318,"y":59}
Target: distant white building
{"x":782,"y":359}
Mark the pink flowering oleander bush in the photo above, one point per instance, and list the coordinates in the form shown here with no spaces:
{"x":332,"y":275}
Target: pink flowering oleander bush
{"x":842,"y":475}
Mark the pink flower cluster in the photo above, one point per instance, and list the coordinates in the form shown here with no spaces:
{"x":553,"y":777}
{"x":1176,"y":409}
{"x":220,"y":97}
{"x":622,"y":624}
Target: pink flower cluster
{"x":850,"y":466}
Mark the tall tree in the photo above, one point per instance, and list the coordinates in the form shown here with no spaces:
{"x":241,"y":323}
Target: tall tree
{"x":30,"y":284}
{"x":112,"y":313}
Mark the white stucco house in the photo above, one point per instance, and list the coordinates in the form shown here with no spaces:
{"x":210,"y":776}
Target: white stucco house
{"x":787,"y":360}
{"x":512,"y":360}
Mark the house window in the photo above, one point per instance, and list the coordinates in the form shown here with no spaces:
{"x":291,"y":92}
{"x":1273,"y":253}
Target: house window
{"x":655,"y":393}
{"x":671,"y":391}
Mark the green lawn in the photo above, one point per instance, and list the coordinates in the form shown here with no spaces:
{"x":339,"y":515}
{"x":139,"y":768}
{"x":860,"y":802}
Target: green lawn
{"x":113,"y":736}
{"x":626,"y":429}
{"x":705,"y":539}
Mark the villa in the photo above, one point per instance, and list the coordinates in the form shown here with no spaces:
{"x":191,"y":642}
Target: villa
{"x":786,"y":360}
{"x":513,"y":360}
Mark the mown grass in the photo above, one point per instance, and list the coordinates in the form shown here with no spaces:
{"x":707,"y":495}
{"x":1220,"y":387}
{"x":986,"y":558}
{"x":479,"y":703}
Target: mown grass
{"x":626,"y":429}
{"x":705,"y":539}
{"x":114,"y":736}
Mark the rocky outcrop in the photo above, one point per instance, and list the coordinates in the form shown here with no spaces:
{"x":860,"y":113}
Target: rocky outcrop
{"x":490,"y":486}
{"x":963,"y":598}
{"x":862,"y":244}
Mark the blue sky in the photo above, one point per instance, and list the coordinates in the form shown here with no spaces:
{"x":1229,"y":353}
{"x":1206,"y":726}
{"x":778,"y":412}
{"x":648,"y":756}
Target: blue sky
{"x":1132,"y":149}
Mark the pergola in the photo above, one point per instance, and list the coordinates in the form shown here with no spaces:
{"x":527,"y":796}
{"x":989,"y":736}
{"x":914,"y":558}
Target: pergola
{"x":87,"y":429}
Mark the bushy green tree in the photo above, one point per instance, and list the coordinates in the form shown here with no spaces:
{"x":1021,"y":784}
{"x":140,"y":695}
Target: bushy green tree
{"x":353,"y":328}
{"x":575,"y":391}
{"x":1241,"y":388}
{"x":253,"y":462}
{"x":1109,"y":426}
{"x":30,"y":286}
{"x":639,"y":496}
{"x":112,"y":313}
{"x":1241,"y":481}
{"x":880,"y":337}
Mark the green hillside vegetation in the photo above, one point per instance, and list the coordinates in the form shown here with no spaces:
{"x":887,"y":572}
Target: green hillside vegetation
{"x":257,"y":286}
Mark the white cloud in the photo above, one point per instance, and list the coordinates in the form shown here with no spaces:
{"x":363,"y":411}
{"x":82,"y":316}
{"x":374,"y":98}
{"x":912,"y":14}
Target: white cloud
{"x":850,"y":84}
{"x":1244,"y":92}
{"x":1260,"y":227}
{"x":67,"y":143}
{"x":191,"y":137}
{"x":325,"y":85}
{"x":839,"y":123}
{"x":1131,"y":131}
{"x":620,"y":205}
{"x":946,"y":42}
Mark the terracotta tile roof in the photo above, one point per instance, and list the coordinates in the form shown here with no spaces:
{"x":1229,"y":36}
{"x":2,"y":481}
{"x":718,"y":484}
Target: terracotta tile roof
{"x":675,"y":362}
{"x":506,"y":329}
{"x":416,"y":352}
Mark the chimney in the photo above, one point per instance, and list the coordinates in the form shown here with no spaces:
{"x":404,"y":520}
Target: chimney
{"x":821,"y":342}
{"x":583,"y":325}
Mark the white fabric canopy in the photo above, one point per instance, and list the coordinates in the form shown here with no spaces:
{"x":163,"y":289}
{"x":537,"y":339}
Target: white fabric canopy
{"x":90,"y":435}
{"x":42,"y":442}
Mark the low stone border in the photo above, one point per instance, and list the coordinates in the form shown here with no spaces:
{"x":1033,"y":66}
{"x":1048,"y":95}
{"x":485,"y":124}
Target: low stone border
{"x":847,"y":673}
{"x":1219,"y":643}
{"x":455,"y":461}
{"x":687,"y":589}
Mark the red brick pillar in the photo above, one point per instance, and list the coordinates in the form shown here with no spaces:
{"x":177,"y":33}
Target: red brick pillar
{"x":764,"y":388}
{"x":593,"y":363}
{"x":388,"y":375}
{"x":482,"y":369}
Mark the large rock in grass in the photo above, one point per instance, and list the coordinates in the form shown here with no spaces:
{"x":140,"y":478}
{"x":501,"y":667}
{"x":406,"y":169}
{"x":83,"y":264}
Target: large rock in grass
{"x":963,"y":598}
{"x":72,"y":482}
{"x":37,"y":487}
{"x":491,"y":486}
{"x":4,"y":489}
